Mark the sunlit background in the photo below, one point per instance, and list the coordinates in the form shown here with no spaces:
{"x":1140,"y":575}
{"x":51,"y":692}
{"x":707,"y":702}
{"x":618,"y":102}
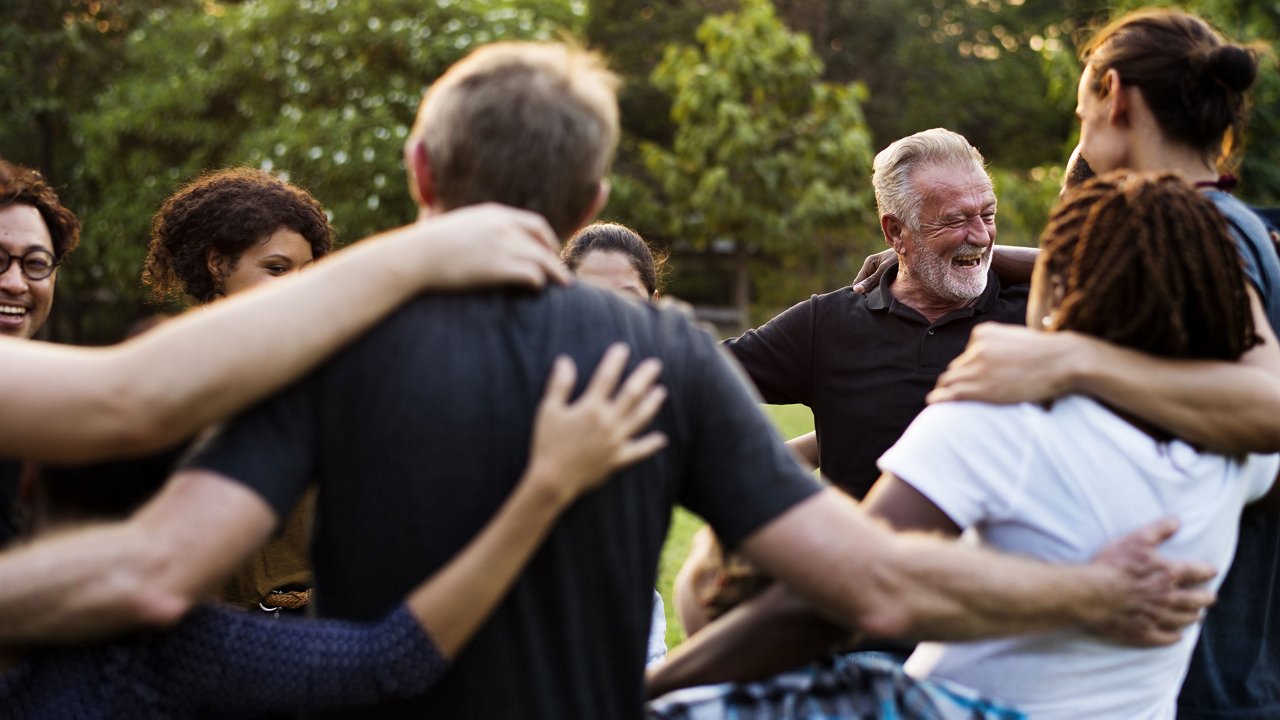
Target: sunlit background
{"x":748,"y":126}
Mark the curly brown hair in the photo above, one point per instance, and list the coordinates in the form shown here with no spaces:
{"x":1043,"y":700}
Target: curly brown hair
{"x":24,"y":186}
{"x":228,"y":211}
{"x":1146,"y":261}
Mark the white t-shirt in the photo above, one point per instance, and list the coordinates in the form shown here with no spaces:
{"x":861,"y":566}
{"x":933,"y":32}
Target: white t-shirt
{"x":1057,"y":485}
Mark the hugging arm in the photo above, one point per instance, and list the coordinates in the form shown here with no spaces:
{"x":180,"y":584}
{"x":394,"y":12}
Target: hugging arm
{"x":859,"y":574}
{"x":71,"y":404}
{"x":1229,"y":407}
{"x":150,"y":569}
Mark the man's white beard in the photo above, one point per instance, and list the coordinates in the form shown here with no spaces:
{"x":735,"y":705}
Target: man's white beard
{"x":937,"y":275}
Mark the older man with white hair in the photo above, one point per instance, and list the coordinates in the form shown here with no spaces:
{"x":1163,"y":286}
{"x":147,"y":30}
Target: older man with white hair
{"x":864,"y":363}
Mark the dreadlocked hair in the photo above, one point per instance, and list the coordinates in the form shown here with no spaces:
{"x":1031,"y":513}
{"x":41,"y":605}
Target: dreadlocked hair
{"x":1146,"y":261}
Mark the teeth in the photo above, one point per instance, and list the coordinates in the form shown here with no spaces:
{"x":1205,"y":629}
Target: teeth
{"x":12,"y":310}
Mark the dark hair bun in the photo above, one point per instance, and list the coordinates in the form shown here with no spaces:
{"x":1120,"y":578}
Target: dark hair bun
{"x":1233,"y":67}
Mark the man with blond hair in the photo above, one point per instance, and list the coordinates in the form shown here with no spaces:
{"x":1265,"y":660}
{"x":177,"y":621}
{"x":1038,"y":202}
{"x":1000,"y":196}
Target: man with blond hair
{"x":417,"y":433}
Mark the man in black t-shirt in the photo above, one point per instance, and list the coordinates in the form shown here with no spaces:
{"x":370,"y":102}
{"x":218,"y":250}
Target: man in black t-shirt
{"x":417,"y":432}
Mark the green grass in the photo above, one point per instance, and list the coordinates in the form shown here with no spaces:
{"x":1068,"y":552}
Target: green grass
{"x":791,"y":420}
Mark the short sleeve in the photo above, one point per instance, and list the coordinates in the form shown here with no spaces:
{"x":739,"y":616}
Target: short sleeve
{"x":271,"y":448}
{"x":1262,"y":471}
{"x":738,"y":474}
{"x":967,"y":458}
{"x":778,"y":356}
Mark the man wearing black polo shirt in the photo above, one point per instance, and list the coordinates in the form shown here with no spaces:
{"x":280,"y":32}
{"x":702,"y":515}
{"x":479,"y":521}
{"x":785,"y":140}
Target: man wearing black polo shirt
{"x":864,"y":363}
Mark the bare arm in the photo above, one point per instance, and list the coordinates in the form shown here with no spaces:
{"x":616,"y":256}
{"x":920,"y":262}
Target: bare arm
{"x":108,"y":578}
{"x":806,"y":448}
{"x":781,"y":629}
{"x":77,"y":404}
{"x":886,"y":584}
{"x":574,"y":448}
{"x":1013,"y":264}
{"x":1228,"y":407}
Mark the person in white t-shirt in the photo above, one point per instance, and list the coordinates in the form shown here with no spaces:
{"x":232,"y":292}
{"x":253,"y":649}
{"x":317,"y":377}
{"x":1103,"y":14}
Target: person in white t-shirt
{"x":1143,"y":261}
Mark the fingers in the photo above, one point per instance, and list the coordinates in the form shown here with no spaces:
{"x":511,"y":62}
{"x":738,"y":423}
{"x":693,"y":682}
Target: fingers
{"x":607,"y":372}
{"x":643,"y":413}
{"x":563,"y":376}
{"x":639,"y":382}
{"x":1191,"y":575}
{"x":1154,"y":533}
{"x":640,"y":448}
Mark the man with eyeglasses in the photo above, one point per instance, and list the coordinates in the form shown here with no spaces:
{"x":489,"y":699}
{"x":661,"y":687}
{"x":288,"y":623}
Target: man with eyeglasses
{"x":36,"y":233}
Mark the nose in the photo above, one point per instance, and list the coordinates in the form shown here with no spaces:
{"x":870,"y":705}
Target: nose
{"x":980,"y":233}
{"x":12,"y":281}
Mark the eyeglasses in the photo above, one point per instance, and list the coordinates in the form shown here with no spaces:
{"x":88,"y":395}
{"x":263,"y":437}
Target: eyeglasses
{"x":37,"y":264}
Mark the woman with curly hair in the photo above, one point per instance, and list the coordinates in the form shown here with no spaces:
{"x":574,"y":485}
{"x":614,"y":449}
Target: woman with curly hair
{"x":229,"y":230}
{"x":223,"y":233}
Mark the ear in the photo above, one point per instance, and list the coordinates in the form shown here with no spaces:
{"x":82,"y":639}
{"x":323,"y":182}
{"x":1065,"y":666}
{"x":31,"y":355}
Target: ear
{"x":597,"y":204}
{"x":892,"y":228}
{"x":421,"y":182}
{"x":216,"y":262}
{"x":1117,"y":98}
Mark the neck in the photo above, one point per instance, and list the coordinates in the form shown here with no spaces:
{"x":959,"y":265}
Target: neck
{"x":1153,"y":153}
{"x":9,"y":658}
{"x":910,"y":292}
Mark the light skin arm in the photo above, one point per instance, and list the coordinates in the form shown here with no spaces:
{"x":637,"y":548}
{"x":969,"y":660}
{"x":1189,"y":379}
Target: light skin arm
{"x":74,"y":404}
{"x":860,"y":574}
{"x":805,"y":447}
{"x":106,"y":579}
{"x":1224,"y":406}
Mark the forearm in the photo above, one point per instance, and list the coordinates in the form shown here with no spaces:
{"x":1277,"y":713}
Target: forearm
{"x":457,"y":599}
{"x":863,"y":575}
{"x":1227,"y":407}
{"x":768,"y":634}
{"x":1013,"y":264}
{"x":82,"y":585}
{"x":105,"y":579}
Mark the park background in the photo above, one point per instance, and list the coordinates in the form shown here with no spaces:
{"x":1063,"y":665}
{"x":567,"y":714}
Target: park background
{"x":748,"y":125}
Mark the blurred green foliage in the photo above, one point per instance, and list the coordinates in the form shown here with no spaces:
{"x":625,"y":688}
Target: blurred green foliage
{"x":748,"y":127}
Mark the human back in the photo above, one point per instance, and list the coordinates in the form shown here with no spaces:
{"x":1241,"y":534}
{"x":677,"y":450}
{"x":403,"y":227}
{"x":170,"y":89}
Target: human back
{"x":412,"y":433}
{"x":1059,"y":482}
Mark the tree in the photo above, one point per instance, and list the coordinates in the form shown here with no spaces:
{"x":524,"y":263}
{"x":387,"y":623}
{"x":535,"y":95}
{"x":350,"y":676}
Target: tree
{"x":319,"y":91}
{"x":764,"y":156}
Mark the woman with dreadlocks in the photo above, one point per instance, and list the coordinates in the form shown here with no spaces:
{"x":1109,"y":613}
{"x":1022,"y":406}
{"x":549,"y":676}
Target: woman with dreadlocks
{"x":1163,"y":91}
{"x":1056,"y":481}
{"x":1143,"y":261}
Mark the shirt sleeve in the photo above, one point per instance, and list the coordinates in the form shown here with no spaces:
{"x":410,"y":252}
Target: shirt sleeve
{"x":271,"y":448}
{"x":225,"y":659}
{"x":967,"y":458}
{"x":778,"y":356}
{"x":738,"y":474}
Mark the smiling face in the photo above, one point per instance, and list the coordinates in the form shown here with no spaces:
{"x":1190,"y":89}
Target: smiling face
{"x":614,"y":270}
{"x":282,"y":253}
{"x":949,"y":254}
{"x":24,"y":303}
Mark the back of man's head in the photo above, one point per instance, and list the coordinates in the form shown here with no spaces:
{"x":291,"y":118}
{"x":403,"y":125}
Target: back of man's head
{"x":896,"y":165}
{"x":531,"y":125}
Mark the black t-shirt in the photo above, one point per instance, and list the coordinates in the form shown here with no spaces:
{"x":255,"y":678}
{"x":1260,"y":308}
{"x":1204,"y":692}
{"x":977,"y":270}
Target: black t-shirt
{"x":863,"y":364}
{"x":10,"y":482}
{"x":418,"y":432}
